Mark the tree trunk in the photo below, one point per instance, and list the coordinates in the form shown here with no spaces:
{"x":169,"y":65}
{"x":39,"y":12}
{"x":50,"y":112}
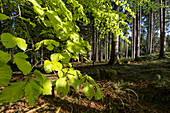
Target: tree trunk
{"x":97,"y":46}
{"x":42,"y":53}
{"x":126,"y":51}
{"x":148,"y":34}
{"x":109,"y":45}
{"x":101,"y":50}
{"x":114,"y":50}
{"x":115,"y":45}
{"x":133,"y":36}
{"x":120,"y":52}
{"x":90,"y":51}
{"x":138,"y":22}
{"x":106,"y":47}
{"x":150,"y":31}
{"x":162,"y":29}
{"x":93,"y":42}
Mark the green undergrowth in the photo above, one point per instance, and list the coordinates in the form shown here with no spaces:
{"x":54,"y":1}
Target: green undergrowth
{"x":148,"y":79}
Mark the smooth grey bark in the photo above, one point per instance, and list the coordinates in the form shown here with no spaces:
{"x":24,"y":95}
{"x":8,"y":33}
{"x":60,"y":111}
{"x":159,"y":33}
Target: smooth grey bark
{"x":120,"y":53}
{"x":133,"y":36}
{"x":109,"y":45}
{"x":97,"y":46}
{"x":148,"y":34}
{"x":106,"y":46}
{"x":115,"y":45}
{"x":126,"y":50}
{"x":90,"y":52}
{"x":114,"y":49}
{"x":162,"y":29}
{"x":93,"y":42}
{"x":126,"y":45}
{"x":150,"y":31}
{"x":138,"y":35}
{"x":101,"y":50}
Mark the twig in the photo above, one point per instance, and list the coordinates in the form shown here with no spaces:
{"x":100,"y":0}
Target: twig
{"x":35,"y":64}
{"x":27,"y":50}
{"x":35,"y":109}
{"x":121,"y":101}
{"x":19,"y":10}
{"x":134,"y":93}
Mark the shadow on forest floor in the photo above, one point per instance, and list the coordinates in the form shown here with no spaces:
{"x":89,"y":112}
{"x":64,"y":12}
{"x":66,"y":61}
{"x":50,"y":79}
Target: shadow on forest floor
{"x":135,"y":87}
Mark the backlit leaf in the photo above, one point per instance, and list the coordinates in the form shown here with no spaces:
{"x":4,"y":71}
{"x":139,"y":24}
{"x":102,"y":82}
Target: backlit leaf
{"x":22,"y":63}
{"x":48,"y":66}
{"x":56,"y":66}
{"x":74,"y":81}
{"x":44,"y":82}
{"x":62,"y":86}
{"x":8,"y":40}
{"x":21,"y":43}
{"x":88,"y":90}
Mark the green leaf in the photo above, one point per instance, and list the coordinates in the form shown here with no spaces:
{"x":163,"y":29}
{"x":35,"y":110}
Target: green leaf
{"x":53,"y":16}
{"x":66,"y":58}
{"x":91,"y":80}
{"x":99,"y":94}
{"x":32,"y":92}
{"x":3,"y":17}
{"x":50,"y":47}
{"x":88,"y":90}
{"x":12,"y":93}
{"x":55,"y":43}
{"x":4,"y":57}
{"x":55,"y":57}
{"x":44,"y":82}
{"x":5,"y":74}
{"x":72,"y":71}
{"x":74,"y":47}
{"x":62,"y":86}
{"x":39,"y":76}
{"x":22,"y":64}
{"x":35,"y":3}
{"x":47,"y":86}
{"x":74,"y":81}
{"x":38,"y":45}
{"x":21,"y":43}
{"x":56,"y":66}
{"x":50,"y":44}
{"x":8,"y":40}
{"x":60,"y":74}
{"x":48,"y":66}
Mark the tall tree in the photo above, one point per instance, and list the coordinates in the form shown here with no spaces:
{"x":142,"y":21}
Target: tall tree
{"x":115,"y":44}
{"x":162,"y":29}
{"x":150,"y":31}
{"x":133,"y":32}
{"x":138,"y":35}
{"x":97,"y":46}
{"x":101,"y":50}
{"x":106,"y":46}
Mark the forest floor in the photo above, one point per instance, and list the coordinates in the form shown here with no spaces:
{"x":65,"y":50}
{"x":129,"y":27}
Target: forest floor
{"x":131,"y":87}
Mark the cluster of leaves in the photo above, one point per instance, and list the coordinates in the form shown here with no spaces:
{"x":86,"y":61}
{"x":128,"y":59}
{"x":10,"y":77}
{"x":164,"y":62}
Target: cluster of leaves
{"x":57,"y":17}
